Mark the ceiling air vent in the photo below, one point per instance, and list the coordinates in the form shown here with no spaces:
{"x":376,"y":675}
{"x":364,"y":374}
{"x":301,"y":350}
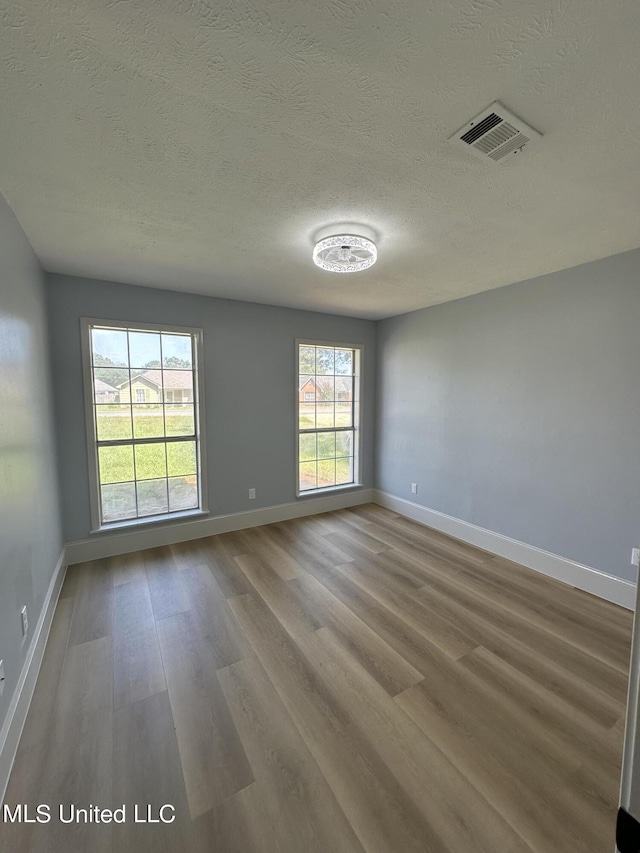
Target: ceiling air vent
{"x":494,"y":133}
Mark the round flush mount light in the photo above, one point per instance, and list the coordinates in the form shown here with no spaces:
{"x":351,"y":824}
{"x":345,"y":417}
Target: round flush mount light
{"x":345,"y":253}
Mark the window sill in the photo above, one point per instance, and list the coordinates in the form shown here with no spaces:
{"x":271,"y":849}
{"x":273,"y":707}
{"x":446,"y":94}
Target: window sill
{"x":329,"y":490}
{"x":135,"y":523}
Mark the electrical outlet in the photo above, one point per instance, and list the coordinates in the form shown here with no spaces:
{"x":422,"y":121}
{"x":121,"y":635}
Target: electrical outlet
{"x":1,"y":677}
{"x":252,"y":494}
{"x":25,"y":621}
{"x":414,"y":488}
{"x":635,"y":557}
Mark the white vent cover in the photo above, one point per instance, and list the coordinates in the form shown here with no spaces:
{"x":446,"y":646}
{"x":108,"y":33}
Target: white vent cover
{"x":494,"y":134}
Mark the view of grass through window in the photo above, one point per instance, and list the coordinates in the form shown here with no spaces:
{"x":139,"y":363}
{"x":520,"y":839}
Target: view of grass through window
{"x":327,"y":413}
{"x":144,"y":399}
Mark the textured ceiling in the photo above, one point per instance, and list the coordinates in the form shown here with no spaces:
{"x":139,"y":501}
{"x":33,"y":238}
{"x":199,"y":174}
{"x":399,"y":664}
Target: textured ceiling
{"x":198,"y":145}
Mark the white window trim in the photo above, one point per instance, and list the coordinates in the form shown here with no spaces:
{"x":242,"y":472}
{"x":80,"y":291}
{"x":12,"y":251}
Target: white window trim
{"x":358,"y":386}
{"x":92,"y":447}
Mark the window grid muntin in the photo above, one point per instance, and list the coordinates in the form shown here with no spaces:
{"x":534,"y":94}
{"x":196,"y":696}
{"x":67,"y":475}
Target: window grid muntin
{"x":193,"y":405}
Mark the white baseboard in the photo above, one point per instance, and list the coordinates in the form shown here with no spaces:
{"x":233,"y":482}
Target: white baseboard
{"x":21,"y":700}
{"x":112,"y":544}
{"x":591,"y":580}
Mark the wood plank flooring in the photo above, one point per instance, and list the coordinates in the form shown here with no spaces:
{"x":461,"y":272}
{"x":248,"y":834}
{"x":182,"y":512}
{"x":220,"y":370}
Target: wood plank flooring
{"x":345,"y":683}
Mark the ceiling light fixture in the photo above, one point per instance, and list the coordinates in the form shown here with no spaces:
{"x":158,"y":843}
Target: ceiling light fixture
{"x":345,"y":253}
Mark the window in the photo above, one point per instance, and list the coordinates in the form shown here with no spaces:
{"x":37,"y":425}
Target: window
{"x":328,"y":423}
{"x":145,"y":453}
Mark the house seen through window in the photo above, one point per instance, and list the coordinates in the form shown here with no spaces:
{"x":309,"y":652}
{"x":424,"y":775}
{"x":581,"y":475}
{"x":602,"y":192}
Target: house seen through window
{"x":143,"y":414}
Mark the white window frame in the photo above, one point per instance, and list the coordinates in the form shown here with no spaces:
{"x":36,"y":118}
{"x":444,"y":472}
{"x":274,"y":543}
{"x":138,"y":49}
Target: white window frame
{"x":86,"y":323}
{"x":358,"y":402}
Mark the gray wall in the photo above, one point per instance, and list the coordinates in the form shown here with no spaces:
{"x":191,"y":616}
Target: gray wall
{"x":249,"y":363}
{"x":30,"y":534}
{"x":518,"y":410}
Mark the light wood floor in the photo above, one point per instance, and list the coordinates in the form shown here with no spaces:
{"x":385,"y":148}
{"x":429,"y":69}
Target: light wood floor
{"x":343,"y":683}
